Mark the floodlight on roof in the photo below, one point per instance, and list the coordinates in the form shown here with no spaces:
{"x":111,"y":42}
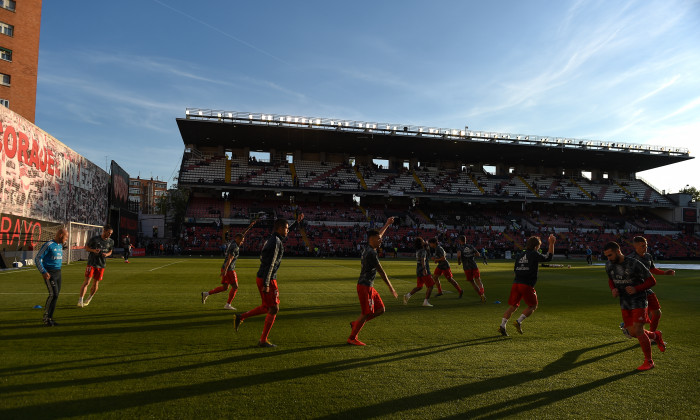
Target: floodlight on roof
{"x":230,"y":115}
{"x":187,"y":112}
{"x":250,"y":116}
{"x":200,"y":113}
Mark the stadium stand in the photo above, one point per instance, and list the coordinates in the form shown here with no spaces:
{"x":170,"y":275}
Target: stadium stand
{"x":332,"y":178}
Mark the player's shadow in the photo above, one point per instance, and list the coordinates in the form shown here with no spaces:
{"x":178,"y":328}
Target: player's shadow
{"x":103,"y":404}
{"x":565,"y":363}
{"x":164,"y":323}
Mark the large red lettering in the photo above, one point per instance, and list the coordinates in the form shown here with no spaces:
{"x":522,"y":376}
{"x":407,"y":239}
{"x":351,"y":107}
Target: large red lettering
{"x":34,"y":155}
{"x":27,"y":229}
{"x":36,"y":237}
{"x":42,"y":160}
{"x":23,"y":148}
{"x":9,"y":139}
{"x":16,"y":233}
{"x":50,"y":162}
{"x":5,"y":226}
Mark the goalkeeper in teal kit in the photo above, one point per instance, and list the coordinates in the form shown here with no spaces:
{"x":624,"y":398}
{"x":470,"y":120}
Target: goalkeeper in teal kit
{"x":48,"y":261}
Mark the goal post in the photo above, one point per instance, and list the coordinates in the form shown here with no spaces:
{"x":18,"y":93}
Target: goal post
{"x":78,"y":236}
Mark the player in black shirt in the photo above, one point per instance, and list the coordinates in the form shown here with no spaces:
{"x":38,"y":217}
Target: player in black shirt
{"x":370,"y":301}
{"x":127,"y":248}
{"x":228,"y":269}
{"x":465,"y":257}
{"x":270,"y":260}
{"x":443,"y":267}
{"x":640,"y":254}
{"x":423,"y":276}
{"x":629,"y":280}
{"x":526,"y":268}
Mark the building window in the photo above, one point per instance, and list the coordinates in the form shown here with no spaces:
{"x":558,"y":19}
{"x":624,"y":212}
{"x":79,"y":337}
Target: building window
{"x":7,"y":29}
{"x":5,"y":102}
{"x":8,"y":4}
{"x":5,"y":54}
{"x":4,"y":79}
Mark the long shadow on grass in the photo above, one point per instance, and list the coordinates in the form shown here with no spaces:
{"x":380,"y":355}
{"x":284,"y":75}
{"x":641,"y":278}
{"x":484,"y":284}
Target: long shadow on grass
{"x":103,"y":404}
{"x":565,"y":363}
{"x":83,"y":365}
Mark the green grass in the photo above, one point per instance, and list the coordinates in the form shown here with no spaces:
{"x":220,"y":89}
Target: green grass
{"x":147,"y":348}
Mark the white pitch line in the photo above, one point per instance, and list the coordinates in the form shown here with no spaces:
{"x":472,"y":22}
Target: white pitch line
{"x":17,"y":270}
{"x":154,"y":269}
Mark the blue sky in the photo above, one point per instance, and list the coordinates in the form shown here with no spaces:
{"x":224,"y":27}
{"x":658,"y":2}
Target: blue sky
{"x":113,"y":76}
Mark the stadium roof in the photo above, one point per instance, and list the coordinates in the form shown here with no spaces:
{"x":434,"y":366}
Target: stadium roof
{"x":234,"y":130}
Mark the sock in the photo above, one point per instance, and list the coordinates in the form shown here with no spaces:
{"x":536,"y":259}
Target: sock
{"x":356,"y":327}
{"x":654,"y":323}
{"x":408,"y":295}
{"x":645,"y":344}
{"x":439,"y":286}
{"x":456,"y":285}
{"x":269,"y":320}
{"x":231,"y":295}
{"x":504,"y":321}
{"x":521,"y":318}
{"x":481,"y":291}
{"x":650,"y":334}
{"x":256,"y":311}
{"x":216,"y":290}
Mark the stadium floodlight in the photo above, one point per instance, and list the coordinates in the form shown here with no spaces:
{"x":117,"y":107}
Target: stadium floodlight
{"x":461,"y":133}
{"x":250,"y":116}
{"x":200,"y":113}
{"x":187,"y":112}
{"x":230,"y":115}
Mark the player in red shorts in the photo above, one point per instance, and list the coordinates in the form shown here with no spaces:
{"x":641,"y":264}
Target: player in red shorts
{"x":629,"y":280}
{"x":422,"y":273}
{"x":465,"y":256}
{"x":228,"y":269}
{"x":100,"y":247}
{"x":370,"y":301}
{"x":640,"y":254}
{"x":526,"y":268}
{"x":270,"y":259}
{"x":443,"y":267}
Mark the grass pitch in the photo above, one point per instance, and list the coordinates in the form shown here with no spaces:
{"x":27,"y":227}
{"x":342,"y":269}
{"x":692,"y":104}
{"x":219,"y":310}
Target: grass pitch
{"x":146,"y":347}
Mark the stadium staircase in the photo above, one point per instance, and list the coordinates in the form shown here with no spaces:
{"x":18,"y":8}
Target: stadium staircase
{"x":529,"y":187}
{"x":305,"y":238}
{"x":603,"y":190}
{"x":552,"y":187}
{"x":364,"y":211}
{"x":422,"y":214}
{"x":385,"y":181}
{"x":359,"y":176}
{"x":647,"y":195}
{"x":326,"y":174}
{"x":477,"y":184}
{"x":227,"y":173}
{"x":516,"y":244}
{"x":293,"y":170}
{"x":587,"y":194}
{"x":419,"y":182}
{"x":627,"y":191}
